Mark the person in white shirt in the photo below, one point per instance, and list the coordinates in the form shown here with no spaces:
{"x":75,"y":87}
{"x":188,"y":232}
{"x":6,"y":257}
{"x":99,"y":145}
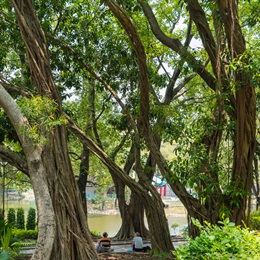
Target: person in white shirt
{"x":137,"y":243}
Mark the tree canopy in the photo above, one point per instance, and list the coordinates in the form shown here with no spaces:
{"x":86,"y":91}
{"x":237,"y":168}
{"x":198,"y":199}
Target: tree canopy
{"x":139,"y":74}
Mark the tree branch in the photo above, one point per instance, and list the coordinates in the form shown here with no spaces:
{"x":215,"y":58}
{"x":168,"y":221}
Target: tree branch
{"x":14,"y":159}
{"x":176,"y":46}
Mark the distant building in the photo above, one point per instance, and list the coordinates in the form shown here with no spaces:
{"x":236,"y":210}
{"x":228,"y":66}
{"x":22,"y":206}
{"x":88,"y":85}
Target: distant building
{"x":163,"y":187}
{"x":91,"y":190}
{"x":111,"y":192}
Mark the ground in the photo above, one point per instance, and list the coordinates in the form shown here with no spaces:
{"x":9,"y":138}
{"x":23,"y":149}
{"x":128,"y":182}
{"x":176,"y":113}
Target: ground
{"x":124,"y":256}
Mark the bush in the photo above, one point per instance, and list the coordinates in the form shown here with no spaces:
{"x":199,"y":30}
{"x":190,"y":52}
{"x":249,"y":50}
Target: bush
{"x":255,"y":220}
{"x":221,"y":242}
{"x":9,"y":250}
{"x":11,"y":216}
{"x":31,"y":221}
{"x":20,"y":218}
{"x":23,"y":234}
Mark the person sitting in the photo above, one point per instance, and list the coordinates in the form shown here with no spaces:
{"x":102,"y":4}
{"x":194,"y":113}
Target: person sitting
{"x":137,"y":245}
{"x":137,"y":242}
{"x":104,"y":244}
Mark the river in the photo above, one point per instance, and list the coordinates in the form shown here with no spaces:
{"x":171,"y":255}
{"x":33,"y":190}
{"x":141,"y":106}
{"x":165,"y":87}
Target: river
{"x":111,"y":223}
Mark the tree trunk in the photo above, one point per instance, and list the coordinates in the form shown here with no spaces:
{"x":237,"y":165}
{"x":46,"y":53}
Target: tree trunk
{"x":245,"y":110}
{"x":83,"y":176}
{"x":138,"y":215}
{"x":68,"y":229}
{"x":256,"y":187}
{"x":72,"y":236}
{"x":157,"y":221}
{"x":126,"y":230}
{"x":132,"y":220}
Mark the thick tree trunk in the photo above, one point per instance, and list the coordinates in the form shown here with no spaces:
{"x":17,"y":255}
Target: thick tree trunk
{"x":132,"y":216}
{"x":245,"y":109}
{"x":138,"y":214}
{"x":126,"y":229}
{"x":69,"y":233}
{"x":37,"y":173}
{"x":132,"y":213}
{"x":158,"y":224}
{"x":242,"y":176}
{"x":72,"y":236}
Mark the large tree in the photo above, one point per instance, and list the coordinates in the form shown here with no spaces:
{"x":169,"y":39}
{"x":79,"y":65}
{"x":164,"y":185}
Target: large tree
{"x":219,"y":50}
{"x":62,"y":226}
{"x":225,"y":46}
{"x":49,"y":165}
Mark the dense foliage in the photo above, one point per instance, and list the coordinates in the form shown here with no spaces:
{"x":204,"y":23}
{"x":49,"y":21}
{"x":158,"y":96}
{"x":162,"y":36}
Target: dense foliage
{"x":255,"y":220}
{"x":24,"y":235}
{"x":9,"y":250}
{"x":224,"y":242}
{"x":20,"y":218}
{"x":31,"y":219}
{"x":11,"y":219}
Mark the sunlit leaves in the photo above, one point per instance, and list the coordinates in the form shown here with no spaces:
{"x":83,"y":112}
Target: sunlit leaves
{"x":223,"y":241}
{"x":41,"y":113}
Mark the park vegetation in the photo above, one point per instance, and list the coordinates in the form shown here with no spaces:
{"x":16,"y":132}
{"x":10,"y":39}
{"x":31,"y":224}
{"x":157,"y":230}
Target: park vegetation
{"x":92,"y":92}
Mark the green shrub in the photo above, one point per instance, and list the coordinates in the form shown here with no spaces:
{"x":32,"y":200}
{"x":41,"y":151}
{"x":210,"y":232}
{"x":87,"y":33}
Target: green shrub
{"x":175,"y":225}
{"x":255,"y":220}
{"x":255,"y":223}
{"x":221,"y":242}
{"x":20,"y":218}
{"x":9,"y":250}
{"x":31,"y":219}
{"x":11,"y":216}
{"x":23,"y":234}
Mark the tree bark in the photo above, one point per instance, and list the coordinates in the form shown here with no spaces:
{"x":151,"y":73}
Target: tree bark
{"x":132,"y":213}
{"x":157,"y":221}
{"x":63,"y":229}
{"x":242,"y":110}
{"x":46,"y":218}
{"x":245,"y":110}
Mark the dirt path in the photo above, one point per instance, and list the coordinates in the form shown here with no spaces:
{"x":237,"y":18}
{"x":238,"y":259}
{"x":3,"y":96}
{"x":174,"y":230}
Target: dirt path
{"x":125,"y":256}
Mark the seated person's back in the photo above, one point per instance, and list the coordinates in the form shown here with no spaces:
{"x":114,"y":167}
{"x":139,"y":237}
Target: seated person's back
{"x":105,"y":241}
{"x":137,"y":242}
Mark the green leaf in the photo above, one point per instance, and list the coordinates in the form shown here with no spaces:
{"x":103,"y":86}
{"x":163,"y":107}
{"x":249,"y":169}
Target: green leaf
{"x":4,"y":255}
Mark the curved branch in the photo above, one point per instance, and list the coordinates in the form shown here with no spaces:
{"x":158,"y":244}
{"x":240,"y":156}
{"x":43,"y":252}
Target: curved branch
{"x":18,"y":120}
{"x":198,"y":16}
{"x":177,"y":46}
{"x":11,"y":88}
{"x":105,"y":159}
{"x":138,"y":47}
{"x":14,"y":159}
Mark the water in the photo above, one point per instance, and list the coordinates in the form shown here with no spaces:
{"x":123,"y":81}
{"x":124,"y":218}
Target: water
{"x":175,"y":212}
{"x":112,"y":223}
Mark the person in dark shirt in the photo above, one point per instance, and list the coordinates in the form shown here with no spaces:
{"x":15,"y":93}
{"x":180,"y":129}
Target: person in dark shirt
{"x":104,"y":244}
